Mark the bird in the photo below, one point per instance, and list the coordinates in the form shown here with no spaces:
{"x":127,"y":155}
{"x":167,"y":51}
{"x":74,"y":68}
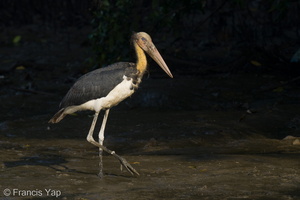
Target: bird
{"x":104,"y":88}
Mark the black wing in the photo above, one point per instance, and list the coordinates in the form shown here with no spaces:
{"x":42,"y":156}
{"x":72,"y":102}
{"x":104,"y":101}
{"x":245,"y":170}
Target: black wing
{"x":97,"y":83}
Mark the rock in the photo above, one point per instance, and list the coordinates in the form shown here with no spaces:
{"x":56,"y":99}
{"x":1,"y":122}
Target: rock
{"x":289,"y":137}
{"x":296,"y":142}
{"x":293,"y":140}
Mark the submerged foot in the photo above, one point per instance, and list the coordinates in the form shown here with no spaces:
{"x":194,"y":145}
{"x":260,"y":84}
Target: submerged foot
{"x":123,"y":161}
{"x":100,"y":174}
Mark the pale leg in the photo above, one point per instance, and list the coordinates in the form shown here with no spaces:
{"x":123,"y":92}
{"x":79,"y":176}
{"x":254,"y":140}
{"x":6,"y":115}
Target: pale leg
{"x":90,"y":139}
{"x":101,"y":139}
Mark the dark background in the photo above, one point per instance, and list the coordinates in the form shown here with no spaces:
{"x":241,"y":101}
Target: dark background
{"x":47,"y":45}
{"x":197,"y":34}
{"x":227,"y":126}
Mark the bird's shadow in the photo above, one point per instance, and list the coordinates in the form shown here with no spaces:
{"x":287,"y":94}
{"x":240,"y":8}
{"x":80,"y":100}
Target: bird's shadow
{"x":52,"y":161}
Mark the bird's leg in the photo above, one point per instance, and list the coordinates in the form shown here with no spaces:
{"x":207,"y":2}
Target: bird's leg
{"x":91,"y":131}
{"x":101,"y":139}
{"x":90,"y":139}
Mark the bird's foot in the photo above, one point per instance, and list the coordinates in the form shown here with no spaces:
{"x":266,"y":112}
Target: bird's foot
{"x":100,"y":175}
{"x":126,"y":165}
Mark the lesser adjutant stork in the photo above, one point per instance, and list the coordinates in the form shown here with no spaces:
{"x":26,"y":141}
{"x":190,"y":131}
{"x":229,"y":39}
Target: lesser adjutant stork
{"x":106,"y":87}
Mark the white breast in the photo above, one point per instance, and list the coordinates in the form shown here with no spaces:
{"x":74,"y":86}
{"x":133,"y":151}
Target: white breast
{"x":118,"y":94}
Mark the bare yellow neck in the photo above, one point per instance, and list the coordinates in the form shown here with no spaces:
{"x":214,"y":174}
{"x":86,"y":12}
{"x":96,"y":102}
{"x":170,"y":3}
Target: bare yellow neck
{"x":141,"y":64}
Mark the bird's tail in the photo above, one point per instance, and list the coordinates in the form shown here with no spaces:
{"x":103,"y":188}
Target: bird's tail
{"x":58,"y":116}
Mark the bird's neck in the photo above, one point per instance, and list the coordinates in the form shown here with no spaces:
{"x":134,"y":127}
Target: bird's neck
{"x":141,"y":63}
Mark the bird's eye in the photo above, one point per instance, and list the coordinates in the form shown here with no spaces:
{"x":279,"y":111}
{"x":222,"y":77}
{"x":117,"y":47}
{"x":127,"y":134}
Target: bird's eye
{"x":144,"y":39}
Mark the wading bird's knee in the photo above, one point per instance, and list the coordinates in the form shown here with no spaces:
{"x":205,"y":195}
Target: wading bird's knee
{"x":90,"y":139}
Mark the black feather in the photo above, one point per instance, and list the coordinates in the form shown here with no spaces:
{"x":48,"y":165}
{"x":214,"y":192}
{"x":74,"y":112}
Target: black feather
{"x":98,"y":83}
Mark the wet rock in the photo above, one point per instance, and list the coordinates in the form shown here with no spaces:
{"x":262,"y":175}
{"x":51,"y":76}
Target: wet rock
{"x":292,"y":140}
{"x":296,"y":142}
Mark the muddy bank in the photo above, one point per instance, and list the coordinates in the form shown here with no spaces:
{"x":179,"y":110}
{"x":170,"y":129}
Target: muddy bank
{"x":175,"y":161}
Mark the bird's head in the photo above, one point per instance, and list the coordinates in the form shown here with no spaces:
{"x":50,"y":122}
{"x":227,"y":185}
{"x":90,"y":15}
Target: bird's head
{"x":144,"y":41}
